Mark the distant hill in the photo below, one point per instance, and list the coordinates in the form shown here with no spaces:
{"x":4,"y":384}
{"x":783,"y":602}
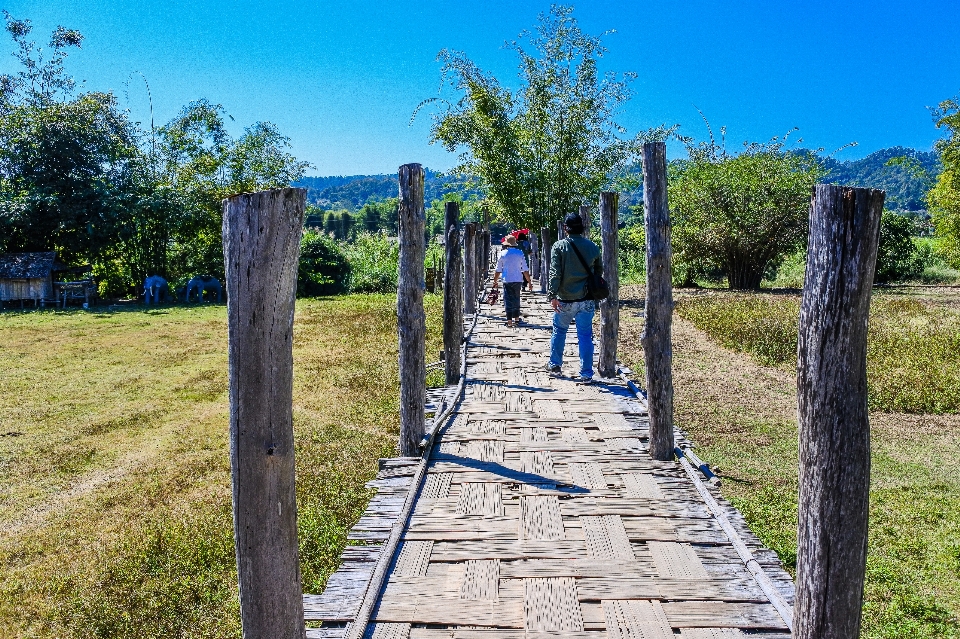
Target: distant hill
{"x":353,"y":191}
{"x":905,"y":190}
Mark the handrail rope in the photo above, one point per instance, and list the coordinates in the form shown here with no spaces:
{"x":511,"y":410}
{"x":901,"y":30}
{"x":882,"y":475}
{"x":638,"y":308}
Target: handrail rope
{"x":784,"y":609}
{"x":357,"y":628}
{"x":749,"y":560}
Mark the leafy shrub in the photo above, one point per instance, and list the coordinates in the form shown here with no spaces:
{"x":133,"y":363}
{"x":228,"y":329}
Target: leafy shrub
{"x":632,"y":256}
{"x":913,"y":350}
{"x":936,"y":269}
{"x":740,"y":213}
{"x":323,"y":268}
{"x":790,"y":272}
{"x":374,"y":263}
{"x":897,"y":256}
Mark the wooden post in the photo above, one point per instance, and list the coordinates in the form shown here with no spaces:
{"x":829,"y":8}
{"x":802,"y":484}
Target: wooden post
{"x":657,"y":348}
{"x":486,"y":241}
{"x":545,"y":259}
{"x":610,"y":307}
{"x":561,"y":233}
{"x":261,"y":249}
{"x":478,"y":263}
{"x":452,"y":295}
{"x":469,"y":268}
{"x":832,"y":410}
{"x":585,"y":216}
{"x":411,"y":318}
{"x":534,"y":257}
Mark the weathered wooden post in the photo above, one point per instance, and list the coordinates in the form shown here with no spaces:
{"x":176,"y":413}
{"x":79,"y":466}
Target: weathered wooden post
{"x":452,"y":295}
{"x":478,"y":263}
{"x":832,"y":409}
{"x":657,"y":348}
{"x":486,"y":241}
{"x":585,"y":216}
{"x":545,"y":259}
{"x":534,"y":256}
{"x":561,"y":232}
{"x":411,"y":318}
{"x":261,"y":249}
{"x":610,"y":307}
{"x":469,"y":268}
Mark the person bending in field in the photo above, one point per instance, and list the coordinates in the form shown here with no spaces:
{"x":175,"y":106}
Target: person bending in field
{"x":569,"y":296}
{"x":513,"y":266}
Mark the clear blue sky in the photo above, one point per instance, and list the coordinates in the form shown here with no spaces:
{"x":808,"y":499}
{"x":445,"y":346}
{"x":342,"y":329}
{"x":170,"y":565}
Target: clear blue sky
{"x":342,"y":78}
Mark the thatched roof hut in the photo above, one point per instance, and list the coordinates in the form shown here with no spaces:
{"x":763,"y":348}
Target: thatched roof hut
{"x":27,"y":276}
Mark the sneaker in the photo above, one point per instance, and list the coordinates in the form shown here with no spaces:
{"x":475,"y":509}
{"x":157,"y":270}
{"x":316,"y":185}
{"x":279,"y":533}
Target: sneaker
{"x":583,"y":379}
{"x":553,"y":370}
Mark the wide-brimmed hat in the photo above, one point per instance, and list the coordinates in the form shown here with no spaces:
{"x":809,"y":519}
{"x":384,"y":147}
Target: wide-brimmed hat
{"x":509,"y":240}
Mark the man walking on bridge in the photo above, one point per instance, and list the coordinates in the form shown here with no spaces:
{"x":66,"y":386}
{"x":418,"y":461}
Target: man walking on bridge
{"x":571,"y":261}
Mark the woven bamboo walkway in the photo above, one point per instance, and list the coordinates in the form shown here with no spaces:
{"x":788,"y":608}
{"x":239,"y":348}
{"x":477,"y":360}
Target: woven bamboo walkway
{"x":541,"y":514}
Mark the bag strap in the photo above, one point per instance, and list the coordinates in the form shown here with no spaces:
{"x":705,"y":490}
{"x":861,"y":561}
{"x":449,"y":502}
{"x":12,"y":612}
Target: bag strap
{"x":582,"y":261}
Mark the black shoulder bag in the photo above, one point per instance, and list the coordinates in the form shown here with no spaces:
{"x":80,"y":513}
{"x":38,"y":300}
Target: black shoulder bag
{"x":597,"y":287}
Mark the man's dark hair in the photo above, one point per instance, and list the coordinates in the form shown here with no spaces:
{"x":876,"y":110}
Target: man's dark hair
{"x":573,"y":222}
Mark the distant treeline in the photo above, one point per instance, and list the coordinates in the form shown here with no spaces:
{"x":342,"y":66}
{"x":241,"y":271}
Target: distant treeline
{"x":905,"y":186}
{"x":351,"y":192}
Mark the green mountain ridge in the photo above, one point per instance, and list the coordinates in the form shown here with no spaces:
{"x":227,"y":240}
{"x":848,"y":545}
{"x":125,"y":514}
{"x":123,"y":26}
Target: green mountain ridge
{"x":906,"y":185}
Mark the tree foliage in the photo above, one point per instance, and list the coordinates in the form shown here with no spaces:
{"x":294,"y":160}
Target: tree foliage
{"x":944,"y":197}
{"x":323,"y":267}
{"x":740,"y":213}
{"x":897,"y":256}
{"x":79,"y":177}
{"x":542,"y":150}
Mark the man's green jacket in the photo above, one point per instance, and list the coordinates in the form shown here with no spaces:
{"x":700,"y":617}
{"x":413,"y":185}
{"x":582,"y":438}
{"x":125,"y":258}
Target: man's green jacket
{"x":568,"y":278}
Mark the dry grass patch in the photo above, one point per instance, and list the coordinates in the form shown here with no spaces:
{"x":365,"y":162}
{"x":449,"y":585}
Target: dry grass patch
{"x":913,"y":346}
{"x":115,"y":504}
{"x":742,"y":416}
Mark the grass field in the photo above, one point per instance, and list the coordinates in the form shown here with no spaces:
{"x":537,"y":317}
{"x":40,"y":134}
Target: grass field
{"x":114,"y":474}
{"x":734,"y":358}
{"x":115,"y":502}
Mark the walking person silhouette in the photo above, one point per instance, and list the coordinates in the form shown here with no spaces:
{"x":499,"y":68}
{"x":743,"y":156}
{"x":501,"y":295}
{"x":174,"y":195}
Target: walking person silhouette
{"x":570,"y":260}
{"x":513,"y":265}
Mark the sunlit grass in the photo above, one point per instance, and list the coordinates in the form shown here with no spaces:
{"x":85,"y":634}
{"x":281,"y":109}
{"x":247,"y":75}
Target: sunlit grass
{"x":115,"y":505}
{"x":913,"y":349}
{"x":741,"y":416}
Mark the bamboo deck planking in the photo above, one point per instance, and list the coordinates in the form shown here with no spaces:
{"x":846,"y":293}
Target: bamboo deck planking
{"x":541,"y":514}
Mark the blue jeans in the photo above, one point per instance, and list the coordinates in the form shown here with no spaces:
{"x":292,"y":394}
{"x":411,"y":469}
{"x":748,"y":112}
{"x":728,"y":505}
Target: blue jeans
{"x":511,"y":299}
{"x":582,"y":314}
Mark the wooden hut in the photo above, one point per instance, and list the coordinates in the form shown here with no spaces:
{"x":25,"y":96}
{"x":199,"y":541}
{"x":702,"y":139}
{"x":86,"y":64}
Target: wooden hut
{"x":27,"y":276}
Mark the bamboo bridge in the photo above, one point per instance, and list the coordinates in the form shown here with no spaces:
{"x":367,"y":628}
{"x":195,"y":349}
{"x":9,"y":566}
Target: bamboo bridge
{"x":540,"y":514}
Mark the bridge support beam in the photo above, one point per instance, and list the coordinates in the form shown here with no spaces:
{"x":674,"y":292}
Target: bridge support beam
{"x":657,"y":347}
{"x":832,"y":410}
{"x":585,"y":216}
{"x":470,"y":270}
{"x":610,"y":307}
{"x":411,"y":318}
{"x":534,"y":256}
{"x":452,"y":294}
{"x":546,"y":248}
{"x":261,"y":249}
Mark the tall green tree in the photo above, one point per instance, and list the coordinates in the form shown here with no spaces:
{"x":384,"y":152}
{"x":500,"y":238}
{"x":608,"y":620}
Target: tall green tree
{"x":740,"y":213}
{"x":944,"y":197}
{"x":77,"y":176}
{"x":542,"y":150}
{"x":65,"y":161}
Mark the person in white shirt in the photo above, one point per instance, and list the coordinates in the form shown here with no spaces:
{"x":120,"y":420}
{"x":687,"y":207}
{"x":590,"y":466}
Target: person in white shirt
{"x":513,"y":266}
